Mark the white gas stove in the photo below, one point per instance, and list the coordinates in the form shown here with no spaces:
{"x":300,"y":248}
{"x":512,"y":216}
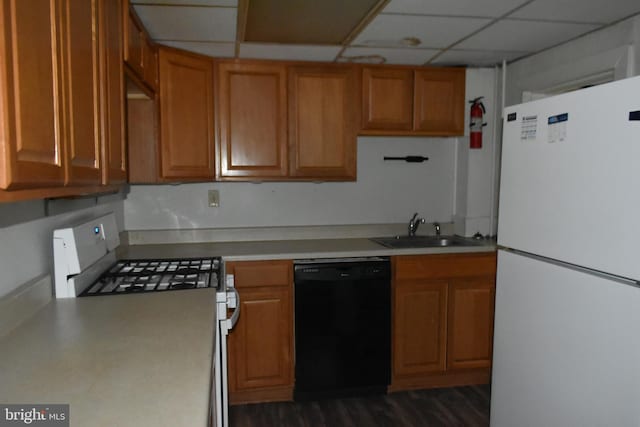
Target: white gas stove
{"x":85,"y":264}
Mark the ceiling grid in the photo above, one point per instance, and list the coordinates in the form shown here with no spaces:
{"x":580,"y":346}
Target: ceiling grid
{"x":415,"y":32}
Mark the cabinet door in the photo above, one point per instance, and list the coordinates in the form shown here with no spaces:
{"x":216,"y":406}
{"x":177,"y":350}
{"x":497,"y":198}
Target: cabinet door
{"x":81,"y":82}
{"x":261,"y":343}
{"x":113,"y":121}
{"x":186,"y":116}
{"x":439,"y":101}
{"x":470,"y":324}
{"x":419,"y":329}
{"x":323,"y":122}
{"x":253,"y":120}
{"x":134,"y":42}
{"x":387,"y":99}
{"x":30,"y":103}
{"x":150,"y":64}
{"x":259,"y":346}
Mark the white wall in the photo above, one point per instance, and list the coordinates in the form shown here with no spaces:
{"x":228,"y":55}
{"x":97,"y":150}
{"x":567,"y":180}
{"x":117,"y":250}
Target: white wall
{"x":26,"y":237}
{"x":475,"y":168}
{"x":614,"y":50}
{"x":385,"y":192}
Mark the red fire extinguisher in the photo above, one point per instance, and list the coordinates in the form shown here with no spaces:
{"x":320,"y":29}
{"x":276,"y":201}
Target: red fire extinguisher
{"x":476,"y":124}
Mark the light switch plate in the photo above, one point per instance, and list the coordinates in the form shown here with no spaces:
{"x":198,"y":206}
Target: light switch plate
{"x":214,"y":198}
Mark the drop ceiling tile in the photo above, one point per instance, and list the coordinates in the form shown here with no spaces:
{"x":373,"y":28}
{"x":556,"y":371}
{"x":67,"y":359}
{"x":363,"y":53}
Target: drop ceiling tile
{"x":189,"y":23}
{"x":216,"y":49}
{"x":434,"y":32}
{"x":288,"y":52}
{"x":524,"y":36}
{"x":579,"y":10}
{"x":482,"y":58}
{"x":231,"y":3}
{"x":392,"y":56}
{"x":486,"y":8}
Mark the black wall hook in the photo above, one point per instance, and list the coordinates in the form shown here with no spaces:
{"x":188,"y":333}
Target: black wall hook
{"x":408,"y":159}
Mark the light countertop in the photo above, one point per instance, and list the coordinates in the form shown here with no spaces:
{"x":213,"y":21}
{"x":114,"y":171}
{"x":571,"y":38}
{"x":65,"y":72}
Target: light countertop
{"x":284,"y":249}
{"x":127,"y":360}
{"x":144,"y":359}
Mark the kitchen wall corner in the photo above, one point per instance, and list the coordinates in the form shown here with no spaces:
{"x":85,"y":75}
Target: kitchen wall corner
{"x":26,"y":233}
{"x":476,"y":168}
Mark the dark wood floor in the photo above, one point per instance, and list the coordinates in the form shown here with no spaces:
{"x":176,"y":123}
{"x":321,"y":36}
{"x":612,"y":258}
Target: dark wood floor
{"x":460,"y":406}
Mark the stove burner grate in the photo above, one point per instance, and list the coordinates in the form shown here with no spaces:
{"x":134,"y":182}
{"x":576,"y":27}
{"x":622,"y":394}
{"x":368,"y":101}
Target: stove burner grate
{"x":136,"y":276}
{"x":182,"y":285}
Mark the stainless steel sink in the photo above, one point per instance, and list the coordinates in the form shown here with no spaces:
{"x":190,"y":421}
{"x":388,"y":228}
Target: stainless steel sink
{"x":403,"y":242}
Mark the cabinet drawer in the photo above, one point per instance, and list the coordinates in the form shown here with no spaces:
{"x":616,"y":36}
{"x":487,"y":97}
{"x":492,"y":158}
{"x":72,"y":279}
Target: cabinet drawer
{"x":444,"y":266}
{"x":260,"y":273}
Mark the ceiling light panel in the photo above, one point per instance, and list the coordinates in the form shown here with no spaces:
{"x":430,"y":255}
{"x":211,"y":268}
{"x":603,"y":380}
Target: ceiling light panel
{"x":288,"y":52}
{"x":216,"y":49}
{"x":304,"y":21}
{"x":182,"y":23}
{"x":434,"y":32}
{"x":485,"y":8}
{"x":579,"y":10}
{"x":525,"y":36}
{"x":392,"y":56}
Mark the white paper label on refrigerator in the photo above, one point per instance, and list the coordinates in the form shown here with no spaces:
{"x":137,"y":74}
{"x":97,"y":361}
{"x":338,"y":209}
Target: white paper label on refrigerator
{"x":529,"y":127}
{"x":557,"y":131}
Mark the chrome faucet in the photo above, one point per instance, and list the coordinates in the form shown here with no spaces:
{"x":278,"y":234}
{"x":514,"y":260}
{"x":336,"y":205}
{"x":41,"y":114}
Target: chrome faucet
{"x":436,"y":225}
{"x":414,"y":222}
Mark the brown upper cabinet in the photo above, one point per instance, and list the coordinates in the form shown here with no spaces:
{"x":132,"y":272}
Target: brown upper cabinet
{"x":30,"y":96}
{"x":252,"y":120}
{"x":186,"y":116}
{"x":134,"y":40}
{"x":439,"y":101}
{"x":323,"y":121}
{"x":80,"y":69}
{"x":140,"y":54}
{"x":114,"y":147}
{"x":55,"y":101}
{"x":283,"y":121}
{"x":387,"y":99}
{"x":150,"y":63}
{"x":413,"y":101}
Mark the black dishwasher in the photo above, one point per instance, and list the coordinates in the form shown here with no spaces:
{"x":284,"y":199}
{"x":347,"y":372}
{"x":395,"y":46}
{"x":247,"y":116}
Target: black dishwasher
{"x":342,"y":327}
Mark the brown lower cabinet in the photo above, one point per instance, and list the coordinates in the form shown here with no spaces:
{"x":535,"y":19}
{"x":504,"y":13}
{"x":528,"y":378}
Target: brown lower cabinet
{"x":261,"y":344}
{"x":442,"y":325}
{"x":442,"y":328}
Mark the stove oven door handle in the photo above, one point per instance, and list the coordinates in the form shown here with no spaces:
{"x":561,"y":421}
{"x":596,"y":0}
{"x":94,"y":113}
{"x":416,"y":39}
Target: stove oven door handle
{"x":236,"y":312}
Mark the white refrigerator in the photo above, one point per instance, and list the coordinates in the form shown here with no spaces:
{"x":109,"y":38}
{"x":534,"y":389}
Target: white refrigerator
{"x":567,"y":323}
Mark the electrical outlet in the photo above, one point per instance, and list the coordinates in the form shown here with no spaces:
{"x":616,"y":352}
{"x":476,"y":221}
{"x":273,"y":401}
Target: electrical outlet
{"x":214,"y":198}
